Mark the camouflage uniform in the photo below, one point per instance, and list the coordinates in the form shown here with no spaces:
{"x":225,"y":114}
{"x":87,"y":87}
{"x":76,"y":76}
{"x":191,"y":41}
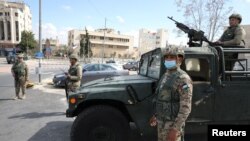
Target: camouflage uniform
{"x":173,"y":103}
{"x":20,"y":73}
{"x":233,"y":36}
{"x":75,"y":72}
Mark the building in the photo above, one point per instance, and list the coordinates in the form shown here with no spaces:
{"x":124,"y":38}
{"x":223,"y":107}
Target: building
{"x":103,"y":42}
{"x":247,"y":39}
{"x":15,"y":17}
{"x":150,"y":40}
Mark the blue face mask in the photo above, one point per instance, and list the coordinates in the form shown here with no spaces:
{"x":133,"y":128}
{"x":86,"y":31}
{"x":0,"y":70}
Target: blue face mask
{"x":170,"y":64}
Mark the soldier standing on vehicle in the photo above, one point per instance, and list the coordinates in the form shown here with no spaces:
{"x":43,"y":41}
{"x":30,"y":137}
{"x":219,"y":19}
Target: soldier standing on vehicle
{"x":173,"y":104}
{"x":74,"y":74}
{"x":234,"y":35}
{"x":20,"y":73}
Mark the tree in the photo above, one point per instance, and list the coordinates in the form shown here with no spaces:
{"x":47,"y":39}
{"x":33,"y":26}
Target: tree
{"x":207,"y":15}
{"x":28,"y":41}
{"x":85,"y":49}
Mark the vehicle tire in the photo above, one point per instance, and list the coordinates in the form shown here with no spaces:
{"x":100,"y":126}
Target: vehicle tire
{"x":100,"y":123}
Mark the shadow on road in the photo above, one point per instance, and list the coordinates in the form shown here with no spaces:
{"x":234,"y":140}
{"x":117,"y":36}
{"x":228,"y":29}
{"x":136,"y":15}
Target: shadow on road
{"x":5,"y":99}
{"x":37,"y":115}
{"x":54,"y":131}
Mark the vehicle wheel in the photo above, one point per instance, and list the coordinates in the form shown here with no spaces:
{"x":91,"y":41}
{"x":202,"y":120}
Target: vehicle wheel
{"x":100,"y":123}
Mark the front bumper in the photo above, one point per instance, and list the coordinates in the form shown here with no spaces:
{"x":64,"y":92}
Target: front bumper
{"x":69,"y":113}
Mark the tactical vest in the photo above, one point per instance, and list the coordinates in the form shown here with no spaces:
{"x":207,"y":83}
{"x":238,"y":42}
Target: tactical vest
{"x":168,"y":101}
{"x":228,"y":34}
{"x":19,"y":69}
{"x":73,"y":70}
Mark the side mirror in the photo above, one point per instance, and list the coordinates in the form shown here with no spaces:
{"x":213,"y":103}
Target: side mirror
{"x":84,"y":70}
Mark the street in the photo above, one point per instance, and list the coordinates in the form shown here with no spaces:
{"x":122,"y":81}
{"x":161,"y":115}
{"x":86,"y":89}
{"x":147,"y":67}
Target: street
{"x":41,"y":116}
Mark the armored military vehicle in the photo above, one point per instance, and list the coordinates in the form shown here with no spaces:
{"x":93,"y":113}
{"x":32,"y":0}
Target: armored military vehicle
{"x":105,"y":107}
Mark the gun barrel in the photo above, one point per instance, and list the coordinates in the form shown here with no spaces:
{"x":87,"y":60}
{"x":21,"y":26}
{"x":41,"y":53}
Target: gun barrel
{"x":171,"y":18}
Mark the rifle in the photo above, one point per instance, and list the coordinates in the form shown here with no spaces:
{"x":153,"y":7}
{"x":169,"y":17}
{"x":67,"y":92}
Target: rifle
{"x":66,"y":84}
{"x":193,"y":35}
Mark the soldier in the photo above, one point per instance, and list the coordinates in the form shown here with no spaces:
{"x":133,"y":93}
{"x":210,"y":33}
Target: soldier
{"x":20,"y":73}
{"x":173,"y":104}
{"x":234,"y":35}
{"x":74,"y":74}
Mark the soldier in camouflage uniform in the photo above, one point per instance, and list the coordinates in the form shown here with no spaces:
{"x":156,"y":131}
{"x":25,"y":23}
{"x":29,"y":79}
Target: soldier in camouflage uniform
{"x":74,"y":74}
{"x":234,"y":35}
{"x":20,"y":73}
{"x":173,"y":104}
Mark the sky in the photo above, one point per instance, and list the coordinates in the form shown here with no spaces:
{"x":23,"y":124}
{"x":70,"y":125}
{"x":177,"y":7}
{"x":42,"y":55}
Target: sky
{"x":126,"y":16}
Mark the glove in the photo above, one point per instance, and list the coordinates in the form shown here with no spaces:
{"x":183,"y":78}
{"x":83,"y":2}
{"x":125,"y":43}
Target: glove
{"x":172,"y":134}
{"x":153,"y":121}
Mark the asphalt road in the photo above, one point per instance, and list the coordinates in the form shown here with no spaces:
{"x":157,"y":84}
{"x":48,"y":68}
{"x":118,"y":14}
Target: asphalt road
{"x":41,"y":116}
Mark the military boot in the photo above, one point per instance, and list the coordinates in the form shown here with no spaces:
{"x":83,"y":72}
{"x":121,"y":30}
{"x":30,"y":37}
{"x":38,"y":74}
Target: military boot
{"x":23,"y":97}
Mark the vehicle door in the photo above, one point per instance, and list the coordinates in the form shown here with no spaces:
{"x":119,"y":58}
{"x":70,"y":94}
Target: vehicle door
{"x":200,"y":69}
{"x":150,"y":67}
{"x":232,"y":101}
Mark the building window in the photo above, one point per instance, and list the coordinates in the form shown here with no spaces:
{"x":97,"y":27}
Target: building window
{"x":111,"y":39}
{"x":101,"y":38}
{"x":8,"y":30}
{"x":17,"y":31}
{"x":1,"y":13}
{"x":16,"y":14}
{"x":2,"y":30}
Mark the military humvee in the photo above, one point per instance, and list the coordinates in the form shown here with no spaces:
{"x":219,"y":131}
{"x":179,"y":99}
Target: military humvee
{"x":105,"y":107}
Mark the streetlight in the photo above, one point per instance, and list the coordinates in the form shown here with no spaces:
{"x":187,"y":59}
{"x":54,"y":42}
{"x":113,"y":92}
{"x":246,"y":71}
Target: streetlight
{"x":40,"y":38}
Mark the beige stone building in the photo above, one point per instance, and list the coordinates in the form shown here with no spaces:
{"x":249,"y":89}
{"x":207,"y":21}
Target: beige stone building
{"x":247,"y":39}
{"x":149,"y":40}
{"x":114,"y":43}
{"x":15,"y":17}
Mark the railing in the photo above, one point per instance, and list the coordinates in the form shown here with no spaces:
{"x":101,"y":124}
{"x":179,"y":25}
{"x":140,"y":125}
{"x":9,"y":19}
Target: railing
{"x":244,"y":72}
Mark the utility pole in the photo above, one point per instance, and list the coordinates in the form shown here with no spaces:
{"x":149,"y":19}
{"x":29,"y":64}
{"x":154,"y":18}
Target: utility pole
{"x":103,"y":41}
{"x":40,"y":38}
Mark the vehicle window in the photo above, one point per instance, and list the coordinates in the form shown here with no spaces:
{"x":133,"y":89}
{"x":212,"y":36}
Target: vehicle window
{"x":154,"y":66}
{"x":197,"y":68}
{"x":94,"y":67}
{"x":104,"y":67}
{"x":144,"y":65}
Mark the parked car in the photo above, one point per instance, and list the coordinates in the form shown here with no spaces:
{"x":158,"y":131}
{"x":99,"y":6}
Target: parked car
{"x":10,"y":57}
{"x":132,"y":65}
{"x":110,"y":61}
{"x":92,"y":72}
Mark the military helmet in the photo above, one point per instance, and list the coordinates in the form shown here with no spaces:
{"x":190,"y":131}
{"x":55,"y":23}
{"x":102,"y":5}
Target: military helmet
{"x":20,"y":55}
{"x":237,"y":16}
{"x":173,"y":51}
{"x":73,"y":56}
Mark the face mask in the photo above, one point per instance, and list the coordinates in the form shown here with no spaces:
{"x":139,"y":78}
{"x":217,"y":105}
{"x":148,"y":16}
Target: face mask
{"x":170,"y":64}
